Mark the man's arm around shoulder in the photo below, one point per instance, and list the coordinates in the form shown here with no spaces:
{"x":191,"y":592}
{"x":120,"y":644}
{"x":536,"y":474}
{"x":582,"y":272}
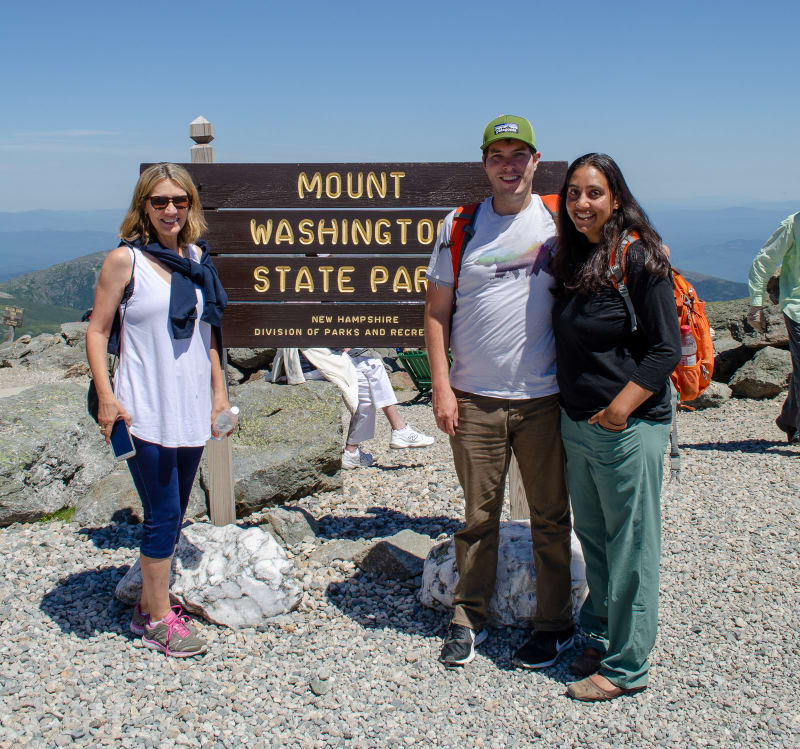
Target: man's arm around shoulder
{"x":438,"y":311}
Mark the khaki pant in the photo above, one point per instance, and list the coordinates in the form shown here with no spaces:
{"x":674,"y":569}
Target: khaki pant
{"x":488,"y":430}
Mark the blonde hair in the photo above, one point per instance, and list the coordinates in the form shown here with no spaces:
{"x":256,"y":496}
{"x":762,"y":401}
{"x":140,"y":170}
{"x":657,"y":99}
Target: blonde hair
{"x":136,"y":224}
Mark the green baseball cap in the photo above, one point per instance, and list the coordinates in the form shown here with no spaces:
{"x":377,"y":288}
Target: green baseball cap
{"x":509,"y":126}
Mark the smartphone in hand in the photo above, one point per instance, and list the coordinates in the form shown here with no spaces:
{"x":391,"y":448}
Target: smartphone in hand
{"x":121,"y":442}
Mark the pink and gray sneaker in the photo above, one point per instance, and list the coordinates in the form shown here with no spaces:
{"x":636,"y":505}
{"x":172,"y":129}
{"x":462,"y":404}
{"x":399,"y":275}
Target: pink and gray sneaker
{"x":174,"y":635}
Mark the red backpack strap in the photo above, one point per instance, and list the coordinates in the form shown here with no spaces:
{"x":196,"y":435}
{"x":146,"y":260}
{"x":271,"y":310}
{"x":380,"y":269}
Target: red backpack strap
{"x":461,"y":232}
{"x":551,"y":203}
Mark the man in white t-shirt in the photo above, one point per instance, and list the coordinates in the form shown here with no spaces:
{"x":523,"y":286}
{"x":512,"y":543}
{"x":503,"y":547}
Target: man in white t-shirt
{"x":501,"y":394}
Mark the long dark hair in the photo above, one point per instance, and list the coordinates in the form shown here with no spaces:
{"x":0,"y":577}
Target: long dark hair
{"x":582,"y":267}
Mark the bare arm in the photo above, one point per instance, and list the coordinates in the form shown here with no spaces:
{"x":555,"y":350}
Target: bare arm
{"x":114,"y":276}
{"x":615,"y":416}
{"x":219,"y":391}
{"x":438,"y":311}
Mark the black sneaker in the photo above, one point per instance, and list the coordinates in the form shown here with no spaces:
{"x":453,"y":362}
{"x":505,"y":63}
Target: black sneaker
{"x":543,"y":648}
{"x":459,"y":645}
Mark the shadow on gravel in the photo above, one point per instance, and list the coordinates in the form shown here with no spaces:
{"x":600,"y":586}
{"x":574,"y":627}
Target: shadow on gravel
{"x":83,"y":604}
{"x":381,"y":521}
{"x":377,"y":604}
{"x":124,"y":532}
{"x":758,"y":447}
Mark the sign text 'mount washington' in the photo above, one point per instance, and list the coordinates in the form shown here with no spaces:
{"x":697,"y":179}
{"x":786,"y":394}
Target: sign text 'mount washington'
{"x":332,"y":254}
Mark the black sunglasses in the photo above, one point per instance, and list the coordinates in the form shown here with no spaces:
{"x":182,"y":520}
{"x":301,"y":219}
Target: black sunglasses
{"x":160,"y":202}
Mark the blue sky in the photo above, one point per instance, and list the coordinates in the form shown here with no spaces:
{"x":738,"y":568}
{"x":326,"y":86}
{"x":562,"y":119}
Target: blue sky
{"x":697,"y":101}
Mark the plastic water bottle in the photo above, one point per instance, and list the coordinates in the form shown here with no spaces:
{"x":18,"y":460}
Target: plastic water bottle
{"x":225,"y":421}
{"x":688,"y":347}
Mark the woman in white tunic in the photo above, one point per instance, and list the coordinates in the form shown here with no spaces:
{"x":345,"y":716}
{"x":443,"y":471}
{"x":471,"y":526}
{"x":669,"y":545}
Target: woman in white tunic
{"x":169,"y":385}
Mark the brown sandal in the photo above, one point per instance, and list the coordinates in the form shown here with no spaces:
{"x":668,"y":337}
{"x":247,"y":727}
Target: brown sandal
{"x":587,"y":690}
{"x":587,"y":662}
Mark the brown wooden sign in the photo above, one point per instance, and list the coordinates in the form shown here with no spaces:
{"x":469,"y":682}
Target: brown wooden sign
{"x":379,"y":185}
{"x":333,"y":254}
{"x":334,"y":325}
{"x":316,"y":279}
{"x":349,"y":232}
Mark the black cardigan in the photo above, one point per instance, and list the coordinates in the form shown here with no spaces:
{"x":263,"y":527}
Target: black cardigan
{"x":596,"y":355}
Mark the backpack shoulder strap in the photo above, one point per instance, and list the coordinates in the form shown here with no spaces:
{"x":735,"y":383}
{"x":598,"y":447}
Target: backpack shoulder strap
{"x":551,"y":203}
{"x":462,"y":231}
{"x":616,"y":274}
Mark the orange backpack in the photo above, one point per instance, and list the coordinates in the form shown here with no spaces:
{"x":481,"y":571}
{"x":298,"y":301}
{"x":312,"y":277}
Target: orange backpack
{"x":689,"y":381}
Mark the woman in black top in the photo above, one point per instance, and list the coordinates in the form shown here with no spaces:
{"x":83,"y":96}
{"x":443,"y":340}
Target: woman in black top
{"x":613,"y":366}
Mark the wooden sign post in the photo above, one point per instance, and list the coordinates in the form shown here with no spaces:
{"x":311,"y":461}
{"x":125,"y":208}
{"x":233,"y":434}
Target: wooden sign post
{"x":12,"y":317}
{"x":222,"y":506}
{"x":330,"y":254}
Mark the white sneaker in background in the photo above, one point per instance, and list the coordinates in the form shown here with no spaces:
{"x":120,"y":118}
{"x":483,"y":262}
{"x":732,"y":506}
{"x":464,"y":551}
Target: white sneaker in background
{"x":357,"y":459}
{"x":409,"y":437}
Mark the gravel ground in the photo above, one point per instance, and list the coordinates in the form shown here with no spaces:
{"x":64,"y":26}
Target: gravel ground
{"x":724,"y":668}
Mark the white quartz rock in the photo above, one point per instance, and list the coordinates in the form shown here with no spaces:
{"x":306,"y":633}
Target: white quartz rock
{"x":514,"y":601}
{"x":227,"y":575}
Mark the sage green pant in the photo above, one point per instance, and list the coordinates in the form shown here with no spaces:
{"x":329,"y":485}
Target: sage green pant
{"x":614,"y":481}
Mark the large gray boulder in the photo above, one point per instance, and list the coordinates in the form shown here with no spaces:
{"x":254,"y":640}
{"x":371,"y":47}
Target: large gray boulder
{"x":732,"y":316}
{"x":74,"y":333}
{"x":764,"y":376}
{"x":292,"y":525}
{"x":114,"y":498}
{"x":228,"y":575}
{"x":514,"y":601}
{"x":398,"y":557}
{"x":715,"y":395}
{"x":288,"y":443}
{"x":51,"y":452}
{"x":729,"y":355}
{"x":250,"y":359}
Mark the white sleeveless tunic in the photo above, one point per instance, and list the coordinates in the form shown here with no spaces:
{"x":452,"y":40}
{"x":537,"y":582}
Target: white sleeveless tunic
{"x":164,"y":383}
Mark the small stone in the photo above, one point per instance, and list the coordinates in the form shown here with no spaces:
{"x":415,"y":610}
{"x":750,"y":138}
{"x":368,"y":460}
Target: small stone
{"x":320,"y":687}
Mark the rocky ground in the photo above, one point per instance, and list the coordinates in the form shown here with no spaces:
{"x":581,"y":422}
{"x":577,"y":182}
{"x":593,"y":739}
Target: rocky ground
{"x":355,"y":664}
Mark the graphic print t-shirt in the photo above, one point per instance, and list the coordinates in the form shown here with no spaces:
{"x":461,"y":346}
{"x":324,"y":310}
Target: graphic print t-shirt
{"x":502,"y":337}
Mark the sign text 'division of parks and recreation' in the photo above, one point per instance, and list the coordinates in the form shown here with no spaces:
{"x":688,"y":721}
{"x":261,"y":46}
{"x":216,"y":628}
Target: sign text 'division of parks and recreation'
{"x":332,"y":254}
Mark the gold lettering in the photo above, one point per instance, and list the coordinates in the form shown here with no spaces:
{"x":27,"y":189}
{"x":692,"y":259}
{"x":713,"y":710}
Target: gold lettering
{"x":306,"y":229}
{"x":259,"y":232}
{"x":329,"y":180}
{"x":304,"y":184}
{"x":404,"y":224}
{"x":344,"y":231}
{"x":383,"y":237}
{"x":326,"y":271}
{"x":284,"y":232}
{"x":420,"y":281}
{"x":380,"y":186}
{"x":333,"y":231}
{"x":343,"y":277}
{"x":303,"y":282}
{"x":397,"y":176}
{"x":402,"y":280}
{"x":282,"y":270}
{"x":378,"y":274}
{"x":350,"y":191}
{"x":439,"y":226}
{"x":358,"y":228}
{"x":260,"y":274}
{"x":425,"y":231}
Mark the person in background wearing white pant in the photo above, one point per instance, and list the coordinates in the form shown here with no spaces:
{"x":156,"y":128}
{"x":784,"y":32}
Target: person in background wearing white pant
{"x":375,"y":391}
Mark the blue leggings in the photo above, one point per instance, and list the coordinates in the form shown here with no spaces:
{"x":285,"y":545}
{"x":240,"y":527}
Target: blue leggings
{"x":163,"y":477}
